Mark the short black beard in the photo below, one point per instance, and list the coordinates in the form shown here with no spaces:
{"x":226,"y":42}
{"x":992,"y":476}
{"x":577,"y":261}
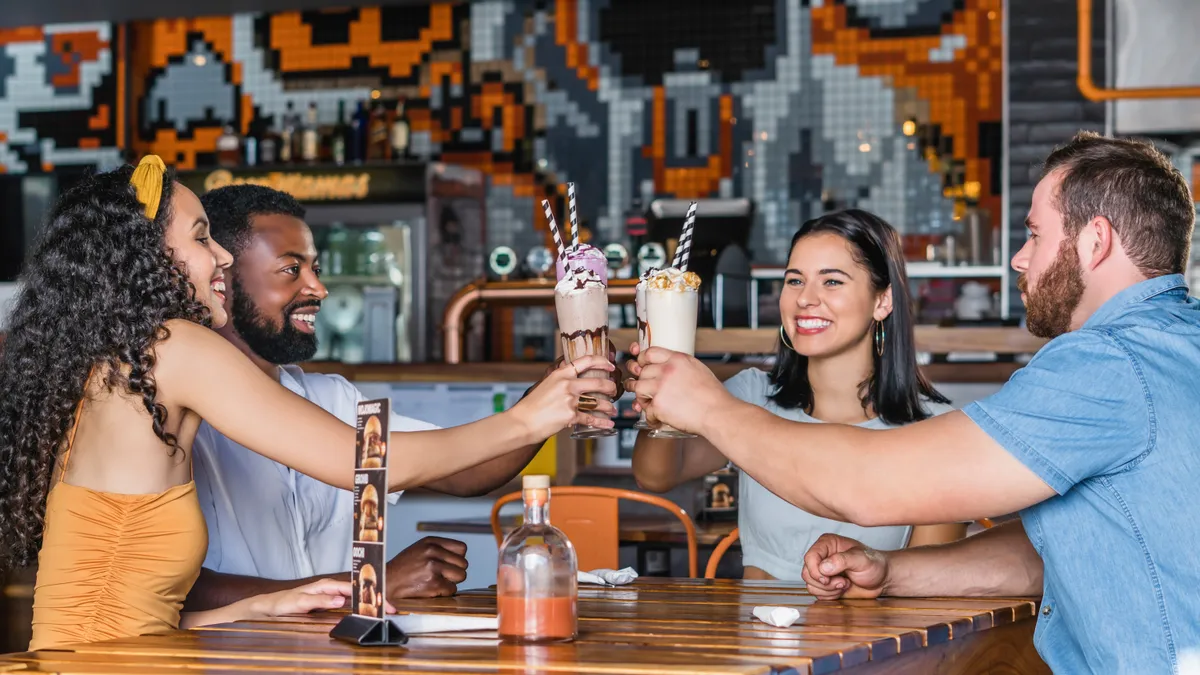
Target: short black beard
{"x":278,"y":346}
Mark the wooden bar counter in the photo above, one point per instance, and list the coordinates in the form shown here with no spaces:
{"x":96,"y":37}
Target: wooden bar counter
{"x":652,"y":626}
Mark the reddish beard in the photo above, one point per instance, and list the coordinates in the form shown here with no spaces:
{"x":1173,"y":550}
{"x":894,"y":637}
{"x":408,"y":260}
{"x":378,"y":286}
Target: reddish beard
{"x":1049,"y":306}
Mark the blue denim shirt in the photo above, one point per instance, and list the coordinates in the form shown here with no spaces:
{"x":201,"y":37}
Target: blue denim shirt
{"x":1109,"y":417}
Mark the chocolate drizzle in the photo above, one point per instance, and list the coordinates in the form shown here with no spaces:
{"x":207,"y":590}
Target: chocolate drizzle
{"x":585,"y":342}
{"x":643,"y":331}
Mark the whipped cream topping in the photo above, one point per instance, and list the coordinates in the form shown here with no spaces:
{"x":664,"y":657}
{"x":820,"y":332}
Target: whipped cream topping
{"x":673,"y":279}
{"x":645,"y":277}
{"x":579,"y":280}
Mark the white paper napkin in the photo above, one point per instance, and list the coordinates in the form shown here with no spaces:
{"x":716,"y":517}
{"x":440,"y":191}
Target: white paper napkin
{"x":780,"y":617}
{"x":416,"y":624}
{"x":608,"y":577}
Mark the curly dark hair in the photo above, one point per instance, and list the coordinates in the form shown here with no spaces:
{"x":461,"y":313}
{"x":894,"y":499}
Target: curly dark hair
{"x":97,"y":290}
{"x":230,"y":209}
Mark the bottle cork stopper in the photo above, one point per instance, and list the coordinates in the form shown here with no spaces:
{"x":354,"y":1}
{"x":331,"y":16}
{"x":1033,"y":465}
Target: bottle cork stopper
{"x":535,"y":482}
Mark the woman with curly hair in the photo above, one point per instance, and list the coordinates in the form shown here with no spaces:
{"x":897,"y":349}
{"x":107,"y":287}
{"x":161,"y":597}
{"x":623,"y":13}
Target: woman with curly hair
{"x":107,"y":372}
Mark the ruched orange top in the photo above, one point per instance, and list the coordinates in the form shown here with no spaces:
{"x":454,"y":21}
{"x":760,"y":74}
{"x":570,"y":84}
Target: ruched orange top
{"x":114,"y":565}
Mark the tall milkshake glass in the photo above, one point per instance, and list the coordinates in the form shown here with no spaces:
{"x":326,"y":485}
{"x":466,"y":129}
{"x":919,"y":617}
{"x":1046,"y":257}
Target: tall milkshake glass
{"x":672,"y":300}
{"x":643,"y":327}
{"x":581,"y":301}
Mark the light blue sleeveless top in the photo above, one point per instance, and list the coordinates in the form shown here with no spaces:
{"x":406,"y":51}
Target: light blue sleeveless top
{"x":775,"y":535}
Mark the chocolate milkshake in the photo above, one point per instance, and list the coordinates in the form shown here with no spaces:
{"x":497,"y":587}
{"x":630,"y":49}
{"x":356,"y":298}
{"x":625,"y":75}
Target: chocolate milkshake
{"x":672,"y":300}
{"x":581,"y":300}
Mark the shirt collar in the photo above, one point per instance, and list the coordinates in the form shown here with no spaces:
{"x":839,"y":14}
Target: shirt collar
{"x":291,"y":378}
{"x":1120,"y":303}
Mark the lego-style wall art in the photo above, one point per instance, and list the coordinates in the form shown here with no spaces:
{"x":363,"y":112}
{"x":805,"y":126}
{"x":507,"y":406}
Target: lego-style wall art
{"x":799,"y":105}
{"x":59,"y":100}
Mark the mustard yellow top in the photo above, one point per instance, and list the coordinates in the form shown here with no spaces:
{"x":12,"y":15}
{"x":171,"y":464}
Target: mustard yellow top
{"x":114,"y":565}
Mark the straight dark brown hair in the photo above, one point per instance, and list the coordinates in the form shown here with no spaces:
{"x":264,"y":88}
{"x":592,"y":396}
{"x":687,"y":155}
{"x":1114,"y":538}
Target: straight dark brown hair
{"x":1136,"y":188}
{"x":896,"y":389}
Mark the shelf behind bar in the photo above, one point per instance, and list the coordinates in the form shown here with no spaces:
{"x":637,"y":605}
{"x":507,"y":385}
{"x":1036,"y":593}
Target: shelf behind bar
{"x":525,"y":372}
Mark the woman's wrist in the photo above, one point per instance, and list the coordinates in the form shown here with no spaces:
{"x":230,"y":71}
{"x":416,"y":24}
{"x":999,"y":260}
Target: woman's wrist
{"x":253,"y":607}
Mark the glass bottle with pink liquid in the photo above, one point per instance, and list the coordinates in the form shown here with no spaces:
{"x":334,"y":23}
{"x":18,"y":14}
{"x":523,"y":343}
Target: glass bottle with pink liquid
{"x":537,"y":587}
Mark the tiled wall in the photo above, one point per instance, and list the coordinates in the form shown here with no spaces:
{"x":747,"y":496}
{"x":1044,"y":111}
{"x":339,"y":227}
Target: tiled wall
{"x":59,"y":102}
{"x":795,"y":104}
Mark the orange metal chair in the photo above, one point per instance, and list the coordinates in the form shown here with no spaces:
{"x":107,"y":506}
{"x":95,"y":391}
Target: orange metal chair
{"x":588,"y":516}
{"x":710,"y":571}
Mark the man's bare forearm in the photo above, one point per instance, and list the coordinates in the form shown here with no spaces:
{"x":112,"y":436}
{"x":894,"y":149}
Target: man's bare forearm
{"x":483,"y":478}
{"x":213,"y":590}
{"x":998,"y":562}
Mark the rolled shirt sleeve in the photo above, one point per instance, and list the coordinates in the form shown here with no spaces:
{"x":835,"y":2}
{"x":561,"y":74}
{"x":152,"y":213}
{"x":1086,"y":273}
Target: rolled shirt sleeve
{"x":1079,"y":409}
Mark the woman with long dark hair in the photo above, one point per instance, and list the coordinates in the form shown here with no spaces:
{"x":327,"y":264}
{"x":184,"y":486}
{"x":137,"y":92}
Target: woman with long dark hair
{"x":846,"y":355}
{"x":110,"y":366}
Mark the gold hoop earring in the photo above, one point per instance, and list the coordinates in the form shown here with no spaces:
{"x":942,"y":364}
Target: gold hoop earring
{"x":784,"y":338}
{"x":880,"y":338}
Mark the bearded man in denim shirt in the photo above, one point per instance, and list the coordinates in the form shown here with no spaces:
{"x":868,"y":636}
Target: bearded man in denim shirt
{"x":1095,"y":442}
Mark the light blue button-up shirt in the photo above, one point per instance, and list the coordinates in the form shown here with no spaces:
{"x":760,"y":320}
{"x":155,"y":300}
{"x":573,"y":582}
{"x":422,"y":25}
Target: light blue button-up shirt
{"x":267,"y":520}
{"x":1109,"y":417}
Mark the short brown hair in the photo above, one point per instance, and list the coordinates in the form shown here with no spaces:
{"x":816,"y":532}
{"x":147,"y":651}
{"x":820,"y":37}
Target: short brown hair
{"x":1137,"y":188}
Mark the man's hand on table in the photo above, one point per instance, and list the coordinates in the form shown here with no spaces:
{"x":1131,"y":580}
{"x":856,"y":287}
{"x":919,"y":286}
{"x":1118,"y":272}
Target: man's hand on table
{"x":837,"y":567}
{"x":433,"y":567}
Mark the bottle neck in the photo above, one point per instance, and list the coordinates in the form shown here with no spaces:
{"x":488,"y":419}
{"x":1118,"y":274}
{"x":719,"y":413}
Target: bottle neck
{"x":537,"y":507}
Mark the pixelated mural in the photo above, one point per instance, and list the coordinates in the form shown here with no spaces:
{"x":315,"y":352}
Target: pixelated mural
{"x":59,"y":102}
{"x":800,"y":105}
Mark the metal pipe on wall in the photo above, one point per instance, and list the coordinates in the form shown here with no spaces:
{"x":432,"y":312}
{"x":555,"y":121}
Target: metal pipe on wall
{"x":1087,"y":83}
{"x":472,"y":297}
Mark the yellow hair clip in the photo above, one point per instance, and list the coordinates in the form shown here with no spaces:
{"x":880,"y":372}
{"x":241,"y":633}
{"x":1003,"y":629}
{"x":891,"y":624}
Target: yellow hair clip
{"x":147,"y":180}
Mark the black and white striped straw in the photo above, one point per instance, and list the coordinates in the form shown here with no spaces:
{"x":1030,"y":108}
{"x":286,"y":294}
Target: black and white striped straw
{"x":684,"y":248}
{"x":558,"y":242}
{"x":572,"y":215}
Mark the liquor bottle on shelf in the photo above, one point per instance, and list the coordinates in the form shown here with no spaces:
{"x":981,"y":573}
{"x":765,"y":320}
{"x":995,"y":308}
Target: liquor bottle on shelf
{"x":339,"y":136}
{"x":359,"y":126}
{"x":287,"y":136}
{"x":310,"y":138}
{"x":229,"y":148}
{"x":250,"y":146}
{"x":379,"y":144}
{"x":400,"y":132}
{"x":268,"y":143}
{"x":537,"y":587}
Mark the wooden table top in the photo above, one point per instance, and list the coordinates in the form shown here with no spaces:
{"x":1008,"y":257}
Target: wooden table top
{"x":635,"y":529}
{"x":655,"y":626}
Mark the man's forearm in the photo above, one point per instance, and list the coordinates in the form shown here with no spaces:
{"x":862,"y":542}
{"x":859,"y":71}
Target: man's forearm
{"x":423,"y":458}
{"x":213,"y":590}
{"x":781,"y":456}
{"x":998,"y":562}
{"x":940,"y":470}
{"x":483,"y":478}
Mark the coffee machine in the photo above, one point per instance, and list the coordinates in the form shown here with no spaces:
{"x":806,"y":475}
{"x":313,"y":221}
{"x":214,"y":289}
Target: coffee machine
{"x":720,"y":252}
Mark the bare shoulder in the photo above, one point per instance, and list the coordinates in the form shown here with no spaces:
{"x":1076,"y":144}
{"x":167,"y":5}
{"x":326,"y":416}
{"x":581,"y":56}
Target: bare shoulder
{"x":181,"y":334}
{"x":191,"y":353}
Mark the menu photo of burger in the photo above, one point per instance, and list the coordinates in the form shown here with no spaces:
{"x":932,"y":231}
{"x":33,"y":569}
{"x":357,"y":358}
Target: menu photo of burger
{"x":373,"y":450}
{"x":368,"y":517}
{"x":368,"y":582}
